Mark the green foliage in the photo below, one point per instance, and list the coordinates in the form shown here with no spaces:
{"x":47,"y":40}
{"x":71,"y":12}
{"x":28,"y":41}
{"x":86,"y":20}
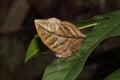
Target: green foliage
{"x":34,"y":48}
{"x":114,"y":76}
{"x":107,"y":26}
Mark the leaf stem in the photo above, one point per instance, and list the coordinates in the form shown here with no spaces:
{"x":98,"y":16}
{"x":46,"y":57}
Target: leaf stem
{"x":89,"y":25}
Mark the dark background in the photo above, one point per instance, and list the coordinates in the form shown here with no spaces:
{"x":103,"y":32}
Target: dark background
{"x":17,"y":29}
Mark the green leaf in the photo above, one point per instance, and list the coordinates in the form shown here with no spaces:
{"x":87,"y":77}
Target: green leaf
{"x":99,"y":33}
{"x":90,"y":22}
{"x":93,"y":21}
{"x":114,"y":76}
{"x":34,"y":48}
{"x":114,"y":14}
{"x":72,"y":66}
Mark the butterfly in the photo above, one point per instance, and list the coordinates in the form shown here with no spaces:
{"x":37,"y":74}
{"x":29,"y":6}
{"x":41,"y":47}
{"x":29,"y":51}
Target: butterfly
{"x":62,"y":37}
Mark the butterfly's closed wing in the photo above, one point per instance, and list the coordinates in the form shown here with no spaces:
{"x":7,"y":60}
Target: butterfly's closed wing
{"x":60,"y":36}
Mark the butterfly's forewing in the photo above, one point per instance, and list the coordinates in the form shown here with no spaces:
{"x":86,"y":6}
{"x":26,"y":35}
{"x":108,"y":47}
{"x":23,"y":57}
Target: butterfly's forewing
{"x":60,"y":36}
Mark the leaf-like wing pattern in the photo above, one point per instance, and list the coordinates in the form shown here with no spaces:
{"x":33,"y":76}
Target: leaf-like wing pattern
{"x":60,"y":36}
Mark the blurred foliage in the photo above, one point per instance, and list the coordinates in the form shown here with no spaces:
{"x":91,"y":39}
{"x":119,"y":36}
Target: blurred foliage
{"x":114,"y":76}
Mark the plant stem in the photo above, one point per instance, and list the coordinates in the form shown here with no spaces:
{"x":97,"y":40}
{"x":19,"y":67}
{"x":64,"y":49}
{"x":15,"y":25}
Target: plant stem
{"x":89,"y":25}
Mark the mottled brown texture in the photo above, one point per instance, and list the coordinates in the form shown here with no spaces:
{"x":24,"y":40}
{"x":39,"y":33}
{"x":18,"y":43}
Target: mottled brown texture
{"x":60,"y":36}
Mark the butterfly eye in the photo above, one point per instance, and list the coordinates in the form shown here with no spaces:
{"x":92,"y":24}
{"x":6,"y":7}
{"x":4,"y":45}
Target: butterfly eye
{"x":62,"y":37}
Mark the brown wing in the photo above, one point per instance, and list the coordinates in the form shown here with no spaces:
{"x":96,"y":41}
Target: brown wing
{"x":65,"y":40}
